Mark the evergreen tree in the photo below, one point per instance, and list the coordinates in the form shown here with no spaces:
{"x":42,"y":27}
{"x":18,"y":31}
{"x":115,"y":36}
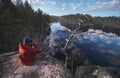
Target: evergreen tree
{"x":17,"y":20}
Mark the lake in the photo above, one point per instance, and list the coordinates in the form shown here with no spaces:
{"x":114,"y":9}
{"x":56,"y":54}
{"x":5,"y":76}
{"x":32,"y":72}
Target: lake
{"x":96,"y":46}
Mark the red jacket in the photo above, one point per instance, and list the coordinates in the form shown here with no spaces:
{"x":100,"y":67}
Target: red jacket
{"x":27,"y":53}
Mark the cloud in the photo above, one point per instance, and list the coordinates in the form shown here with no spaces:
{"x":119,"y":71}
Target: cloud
{"x":74,"y":6}
{"x":108,"y":41}
{"x":118,"y":41}
{"x":57,"y":26}
{"x":80,"y":39}
{"x":63,"y":6}
{"x":86,"y":37}
{"x":87,"y":3}
{"x":50,"y":2}
{"x":102,"y":6}
{"x":101,"y":46}
{"x":35,"y":1}
{"x":32,"y":1}
{"x":93,"y":38}
{"x":45,"y":2}
{"x":112,"y":52}
{"x":118,"y":44}
{"x":53,"y":41}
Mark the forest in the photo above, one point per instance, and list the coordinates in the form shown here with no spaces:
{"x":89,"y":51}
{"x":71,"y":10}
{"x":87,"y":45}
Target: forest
{"x":107,"y":24}
{"x":18,"y":19}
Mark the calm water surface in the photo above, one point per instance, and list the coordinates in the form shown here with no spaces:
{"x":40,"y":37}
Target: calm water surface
{"x":97,"y":47}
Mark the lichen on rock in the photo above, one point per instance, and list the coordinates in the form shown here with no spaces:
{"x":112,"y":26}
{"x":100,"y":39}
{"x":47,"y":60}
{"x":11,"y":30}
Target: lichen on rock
{"x":47,"y":68}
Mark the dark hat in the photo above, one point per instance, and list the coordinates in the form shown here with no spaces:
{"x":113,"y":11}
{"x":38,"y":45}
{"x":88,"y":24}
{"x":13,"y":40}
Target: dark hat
{"x":26,"y":40}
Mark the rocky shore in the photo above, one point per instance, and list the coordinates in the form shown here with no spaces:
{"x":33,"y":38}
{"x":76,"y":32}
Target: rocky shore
{"x":47,"y":66}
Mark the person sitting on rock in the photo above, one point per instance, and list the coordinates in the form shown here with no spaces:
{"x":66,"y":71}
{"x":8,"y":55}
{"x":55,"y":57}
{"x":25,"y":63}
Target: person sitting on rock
{"x":27,"y":50}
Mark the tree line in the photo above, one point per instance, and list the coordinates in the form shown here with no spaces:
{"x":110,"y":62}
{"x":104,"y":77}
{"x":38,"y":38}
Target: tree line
{"x":18,"y":19}
{"x":107,"y":24}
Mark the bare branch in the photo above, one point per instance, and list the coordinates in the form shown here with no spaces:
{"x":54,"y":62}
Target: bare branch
{"x":68,"y":40}
{"x":67,"y":43}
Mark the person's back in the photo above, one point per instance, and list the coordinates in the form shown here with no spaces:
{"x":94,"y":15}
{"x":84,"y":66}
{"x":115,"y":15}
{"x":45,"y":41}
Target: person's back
{"x":27,"y":50}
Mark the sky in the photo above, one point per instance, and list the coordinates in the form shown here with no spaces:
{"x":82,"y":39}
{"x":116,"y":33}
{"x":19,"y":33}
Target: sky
{"x":64,"y":7}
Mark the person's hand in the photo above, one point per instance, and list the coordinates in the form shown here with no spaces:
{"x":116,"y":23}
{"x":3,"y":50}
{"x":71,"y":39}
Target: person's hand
{"x":40,"y":50}
{"x":33,"y":41}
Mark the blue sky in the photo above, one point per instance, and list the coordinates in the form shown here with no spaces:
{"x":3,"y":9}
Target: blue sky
{"x":64,"y":7}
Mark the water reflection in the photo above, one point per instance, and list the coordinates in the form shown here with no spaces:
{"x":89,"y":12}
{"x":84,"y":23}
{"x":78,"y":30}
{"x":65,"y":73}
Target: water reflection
{"x":97,"y":47}
{"x":57,"y":26}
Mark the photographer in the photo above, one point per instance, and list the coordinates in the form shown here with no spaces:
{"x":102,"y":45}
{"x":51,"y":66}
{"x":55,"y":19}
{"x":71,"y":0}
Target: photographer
{"x":27,"y":50}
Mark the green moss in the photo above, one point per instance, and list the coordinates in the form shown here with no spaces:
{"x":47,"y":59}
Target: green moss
{"x":102,"y":71}
{"x":8,"y":54}
{"x":65,"y":31}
